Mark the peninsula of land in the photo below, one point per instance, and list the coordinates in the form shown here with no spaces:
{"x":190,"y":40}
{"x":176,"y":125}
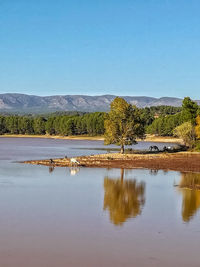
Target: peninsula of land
{"x":181,"y":161}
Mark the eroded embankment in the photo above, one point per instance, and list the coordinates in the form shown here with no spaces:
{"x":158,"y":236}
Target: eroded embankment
{"x":182,"y":161}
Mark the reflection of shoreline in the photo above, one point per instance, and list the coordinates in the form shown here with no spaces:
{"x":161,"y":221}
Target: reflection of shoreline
{"x":123,"y":199}
{"x":190,"y":189}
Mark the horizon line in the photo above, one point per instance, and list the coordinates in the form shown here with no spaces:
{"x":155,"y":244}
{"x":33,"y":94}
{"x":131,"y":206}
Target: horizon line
{"x":157,"y":97}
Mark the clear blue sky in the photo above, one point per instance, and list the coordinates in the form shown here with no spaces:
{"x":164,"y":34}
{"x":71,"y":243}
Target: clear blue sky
{"x":122,"y":47}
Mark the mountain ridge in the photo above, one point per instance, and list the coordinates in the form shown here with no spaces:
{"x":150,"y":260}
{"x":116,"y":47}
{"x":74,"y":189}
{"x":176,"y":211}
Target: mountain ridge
{"x":16,"y":102}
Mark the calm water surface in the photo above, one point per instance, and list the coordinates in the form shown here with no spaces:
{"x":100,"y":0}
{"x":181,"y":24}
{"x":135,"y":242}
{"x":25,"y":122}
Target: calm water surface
{"x":93,"y":217}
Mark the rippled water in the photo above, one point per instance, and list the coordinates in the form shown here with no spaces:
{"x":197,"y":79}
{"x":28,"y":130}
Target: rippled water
{"x":93,"y":217}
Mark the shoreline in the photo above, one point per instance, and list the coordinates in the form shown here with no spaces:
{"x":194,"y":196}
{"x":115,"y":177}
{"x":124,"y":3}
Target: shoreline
{"x":180,"y":161}
{"x":71,"y":137}
{"x":149,"y":138}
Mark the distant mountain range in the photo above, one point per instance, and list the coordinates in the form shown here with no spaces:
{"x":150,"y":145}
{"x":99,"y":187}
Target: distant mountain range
{"x":42,"y":104}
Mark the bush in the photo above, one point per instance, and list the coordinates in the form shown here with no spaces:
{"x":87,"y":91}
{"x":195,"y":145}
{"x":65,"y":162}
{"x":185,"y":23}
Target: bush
{"x":186,"y":132}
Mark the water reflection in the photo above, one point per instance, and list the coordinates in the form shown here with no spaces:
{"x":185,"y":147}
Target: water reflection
{"x":51,"y":169}
{"x":123,"y":199}
{"x":74,"y":170}
{"x":190,"y":188}
{"x":153,"y":171}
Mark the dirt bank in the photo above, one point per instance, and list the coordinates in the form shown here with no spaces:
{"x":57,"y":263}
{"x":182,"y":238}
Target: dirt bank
{"x":182,"y":161}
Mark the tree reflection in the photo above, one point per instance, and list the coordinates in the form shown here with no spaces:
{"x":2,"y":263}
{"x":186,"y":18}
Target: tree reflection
{"x":189,"y":187}
{"x":123,"y":198}
{"x":51,"y":169}
{"x":153,"y":171}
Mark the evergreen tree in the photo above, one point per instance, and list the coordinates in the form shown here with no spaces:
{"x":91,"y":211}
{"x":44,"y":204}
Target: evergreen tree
{"x":189,"y":110}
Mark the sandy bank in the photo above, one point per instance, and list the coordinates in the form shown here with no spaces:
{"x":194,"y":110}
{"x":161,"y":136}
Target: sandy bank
{"x":149,"y":138}
{"x":73,"y":137}
{"x":162,"y":139}
{"x":182,"y":161}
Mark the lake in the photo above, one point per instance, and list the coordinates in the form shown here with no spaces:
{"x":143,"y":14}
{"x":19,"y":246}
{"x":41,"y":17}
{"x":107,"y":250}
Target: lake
{"x":93,"y":217}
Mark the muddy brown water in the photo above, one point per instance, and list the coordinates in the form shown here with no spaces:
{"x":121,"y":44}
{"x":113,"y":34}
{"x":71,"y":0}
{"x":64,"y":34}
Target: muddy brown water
{"x":93,"y":216}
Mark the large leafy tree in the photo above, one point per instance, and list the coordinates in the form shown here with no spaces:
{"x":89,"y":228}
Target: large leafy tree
{"x":123,"y":124}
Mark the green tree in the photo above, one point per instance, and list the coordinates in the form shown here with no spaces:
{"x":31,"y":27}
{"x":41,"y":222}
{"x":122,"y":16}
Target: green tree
{"x":49,"y":127}
{"x":25,"y":125}
{"x":39,"y":125}
{"x":147,"y":116}
{"x":2,"y":125}
{"x":165,"y":125}
{"x":189,"y":110}
{"x":70,"y":127}
{"x":12,"y":124}
{"x":123,"y":124}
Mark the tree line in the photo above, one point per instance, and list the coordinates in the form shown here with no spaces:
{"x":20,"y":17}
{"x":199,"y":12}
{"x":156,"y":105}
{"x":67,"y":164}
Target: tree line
{"x":90,"y":123}
{"x":121,"y":125}
{"x":165,"y":124}
{"x":71,"y":123}
{"x":185,"y":124}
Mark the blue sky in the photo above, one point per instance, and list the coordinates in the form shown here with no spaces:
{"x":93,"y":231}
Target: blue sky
{"x":121,"y":47}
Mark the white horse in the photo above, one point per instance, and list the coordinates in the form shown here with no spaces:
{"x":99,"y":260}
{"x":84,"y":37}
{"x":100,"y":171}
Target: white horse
{"x":74,"y":161}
